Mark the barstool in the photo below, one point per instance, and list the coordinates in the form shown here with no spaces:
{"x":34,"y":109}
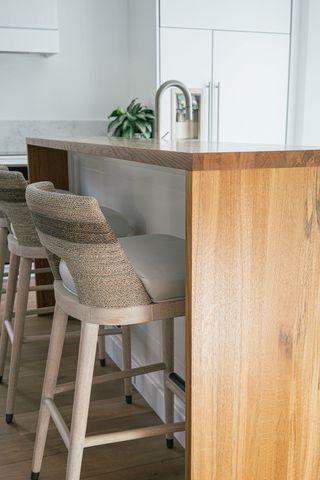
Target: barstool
{"x":102,"y":280}
{"x":3,"y":243}
{"x":24,"y":246}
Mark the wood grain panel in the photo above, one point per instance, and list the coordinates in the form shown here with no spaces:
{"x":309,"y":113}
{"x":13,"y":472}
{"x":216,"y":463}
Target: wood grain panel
{"x":47,"y":164}
{"x":237,"y":160}
{"x":187,"y":154}
{"x":253,"y":341}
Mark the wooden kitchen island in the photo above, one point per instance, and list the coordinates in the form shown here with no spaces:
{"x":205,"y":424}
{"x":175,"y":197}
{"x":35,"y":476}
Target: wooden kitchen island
{"x":253,"y":299}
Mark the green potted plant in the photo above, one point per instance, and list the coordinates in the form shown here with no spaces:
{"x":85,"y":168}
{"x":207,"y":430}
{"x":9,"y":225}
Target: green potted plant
{"x":134,"y":122}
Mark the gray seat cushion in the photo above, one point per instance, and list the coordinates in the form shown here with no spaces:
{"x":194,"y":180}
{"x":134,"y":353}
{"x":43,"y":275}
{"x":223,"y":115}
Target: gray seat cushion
{"x":159,"y":261}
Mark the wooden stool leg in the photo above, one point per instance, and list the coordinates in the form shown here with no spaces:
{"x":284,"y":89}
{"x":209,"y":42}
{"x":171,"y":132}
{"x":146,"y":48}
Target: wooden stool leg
{"x":18,"y":331}
{"x":10,"y":296}
{"x":102,"y":351}
{"x":168,"y":359}
{"x":3,"y":255}
{"x":59,"y":325}
{"x":86,"y":360}
{"x":126,"y":356}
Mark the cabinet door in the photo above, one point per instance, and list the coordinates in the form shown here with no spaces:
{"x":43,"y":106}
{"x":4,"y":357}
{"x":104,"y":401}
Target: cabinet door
{"x":251,"y":70}
{"x":185,"y":55}
{"x":251,"y":15}
{"x":29,"y":13}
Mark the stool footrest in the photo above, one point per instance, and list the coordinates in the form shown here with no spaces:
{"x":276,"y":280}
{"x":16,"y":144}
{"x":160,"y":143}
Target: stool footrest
{"x":176,"y":385}
{"x":177,"y":380}
{"x":58,"y":421}
{"x":36,"y":288}
{"x":39,"y":337}
{"x":41,"y":288}
{"x":109,"y":377}
{"x":134,"y":434}
{"x":114,"y":437}
{"x":41,"y":270}
{"x":9,"y":329}
{"x":46,"y":336}
{"x":40,"y":311}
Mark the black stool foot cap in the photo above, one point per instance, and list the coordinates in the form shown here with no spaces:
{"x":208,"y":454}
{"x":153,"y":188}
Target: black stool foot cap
{"x":9,"y":418}
{"x":1,"y":379}
{"x":129,"y":399}
{"x":35,"y":476}
{"x":169,"y":442}
{"x":102,"y":362}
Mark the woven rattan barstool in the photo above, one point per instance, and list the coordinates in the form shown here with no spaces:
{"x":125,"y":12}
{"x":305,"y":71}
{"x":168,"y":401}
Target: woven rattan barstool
{"x":102,"y":280}
{"x":4,"y":254}
{"x":24,"y":246}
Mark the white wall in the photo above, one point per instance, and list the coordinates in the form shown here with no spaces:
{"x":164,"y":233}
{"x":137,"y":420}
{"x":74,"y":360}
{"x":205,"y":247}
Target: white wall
{"x":306,"y":93}
{"x":143,"y":45}
{"x":311,"y":130}
{"x":85,"y":80}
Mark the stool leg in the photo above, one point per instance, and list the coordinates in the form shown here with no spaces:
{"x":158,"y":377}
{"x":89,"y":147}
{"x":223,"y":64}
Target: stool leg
{"x":18,"y":331}
{"x":59,"y":325}
{"x":102,"y":351}
{"x":168,"y":359}
{"x":126,"y":356}
{"x":3,"y":255}
{"x":10,"y":296}
{"x":86,"y":360}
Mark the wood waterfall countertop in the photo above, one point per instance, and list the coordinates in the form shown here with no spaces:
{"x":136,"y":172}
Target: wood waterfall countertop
{"x":187,"y":154}
{"x":252,"y":298}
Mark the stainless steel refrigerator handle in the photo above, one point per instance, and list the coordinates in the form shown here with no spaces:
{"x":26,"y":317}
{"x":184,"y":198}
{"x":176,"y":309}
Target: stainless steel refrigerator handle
{"x":217,"y":87}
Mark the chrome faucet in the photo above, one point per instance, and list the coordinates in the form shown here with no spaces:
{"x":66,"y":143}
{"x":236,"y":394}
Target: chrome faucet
{"x":160,"y":91}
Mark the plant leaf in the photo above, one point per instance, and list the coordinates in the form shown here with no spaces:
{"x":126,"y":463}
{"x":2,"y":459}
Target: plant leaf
{"x":132,"y":118}
{"x":113,"y":124}
{"x":131,"y":105}
{"x":141,"y":116}
{"x":141,"y":127}
{"x":118,"y":131}
{"x":136,"y":108}
{"x":117,"y":112}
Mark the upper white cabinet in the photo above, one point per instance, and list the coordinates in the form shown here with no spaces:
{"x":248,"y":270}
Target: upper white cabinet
{"x":185,"y":55}
{"x":244,"y":15}
{"x":250,"y":80}
{"x":29,"y":26}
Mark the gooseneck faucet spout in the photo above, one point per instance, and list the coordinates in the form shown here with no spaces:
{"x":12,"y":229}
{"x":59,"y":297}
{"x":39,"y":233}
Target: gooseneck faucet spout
{"x":160,"y":91}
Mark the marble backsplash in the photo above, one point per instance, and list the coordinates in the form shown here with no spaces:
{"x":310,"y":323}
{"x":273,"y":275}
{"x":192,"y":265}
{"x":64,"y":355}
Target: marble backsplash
{"x":14,"y":132}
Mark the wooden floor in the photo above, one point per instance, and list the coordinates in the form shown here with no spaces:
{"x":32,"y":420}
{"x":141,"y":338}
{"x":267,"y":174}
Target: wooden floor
{"x":146,"y":459}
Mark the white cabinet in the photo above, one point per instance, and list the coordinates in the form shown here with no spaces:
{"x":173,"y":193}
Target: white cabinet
{"x":29,"y":26}
{"x":29,"y":13}
{"x":185,"y":55}
{"x":252,"y":72}
{"x":248,"y":15}
{"x":251,"y":69}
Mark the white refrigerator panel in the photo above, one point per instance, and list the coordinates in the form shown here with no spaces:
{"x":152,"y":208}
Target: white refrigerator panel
{"x":251,"y":71}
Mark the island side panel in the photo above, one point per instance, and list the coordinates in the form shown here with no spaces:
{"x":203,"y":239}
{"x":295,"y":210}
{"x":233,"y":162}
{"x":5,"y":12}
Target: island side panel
{"x":47,"y":164}
{"x":253,"y":342}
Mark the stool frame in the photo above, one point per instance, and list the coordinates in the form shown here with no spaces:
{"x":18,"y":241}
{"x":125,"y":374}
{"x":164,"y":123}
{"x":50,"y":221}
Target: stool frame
{"x":91,"y":319}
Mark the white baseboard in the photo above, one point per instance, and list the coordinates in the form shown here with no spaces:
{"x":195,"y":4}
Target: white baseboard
{"x":148,"y":386}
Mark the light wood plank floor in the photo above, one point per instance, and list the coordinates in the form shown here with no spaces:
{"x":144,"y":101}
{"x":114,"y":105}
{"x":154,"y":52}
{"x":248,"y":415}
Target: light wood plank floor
{"x":146,"y":459}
